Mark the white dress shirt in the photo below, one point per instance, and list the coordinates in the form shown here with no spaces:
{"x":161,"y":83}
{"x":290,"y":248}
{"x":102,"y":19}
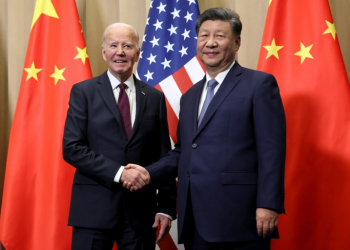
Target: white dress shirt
{"x":130,"y":91}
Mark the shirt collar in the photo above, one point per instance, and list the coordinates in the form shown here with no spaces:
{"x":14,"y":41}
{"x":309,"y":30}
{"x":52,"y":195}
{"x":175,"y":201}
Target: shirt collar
{"x":115,"y":82}
{"x":221,"y":76}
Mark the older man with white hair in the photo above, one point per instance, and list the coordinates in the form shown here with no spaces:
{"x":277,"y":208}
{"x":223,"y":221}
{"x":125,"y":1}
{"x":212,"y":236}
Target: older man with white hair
{"x":114,"y":119}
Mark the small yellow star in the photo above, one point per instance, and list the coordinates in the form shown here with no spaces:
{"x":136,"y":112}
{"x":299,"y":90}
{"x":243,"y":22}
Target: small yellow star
{"x":32,"y":72}
{"x":44,"y":7}
{"x":331,"y":29}
{"x":58,"y":75}
{"x":273,"y":49}
{"x":304,"y":52}
{"x":270,"y":2}
{"x":82,"y":54}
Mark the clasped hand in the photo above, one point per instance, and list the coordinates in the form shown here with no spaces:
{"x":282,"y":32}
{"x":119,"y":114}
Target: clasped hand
{"x":135,"y":177}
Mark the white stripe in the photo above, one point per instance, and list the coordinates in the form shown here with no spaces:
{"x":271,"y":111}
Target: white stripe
{"x":173,"y":233}
{"x":194,"y":70}
{"x":172,"y":143}
{"x":172,"y":93}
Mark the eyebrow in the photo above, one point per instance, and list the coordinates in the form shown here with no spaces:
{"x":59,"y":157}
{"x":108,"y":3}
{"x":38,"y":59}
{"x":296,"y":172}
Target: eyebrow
{"x":217,"y":30}
{"x":127,"y":43}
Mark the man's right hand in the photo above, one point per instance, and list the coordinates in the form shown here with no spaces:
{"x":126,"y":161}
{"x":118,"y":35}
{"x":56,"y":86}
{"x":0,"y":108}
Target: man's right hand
{"x":135,"y":177}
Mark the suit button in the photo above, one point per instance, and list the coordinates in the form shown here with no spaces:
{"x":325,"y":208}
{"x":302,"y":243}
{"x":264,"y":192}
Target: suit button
{"x":127,"y":150}
{"x":188,"y":174}
{"x":194,"y":145}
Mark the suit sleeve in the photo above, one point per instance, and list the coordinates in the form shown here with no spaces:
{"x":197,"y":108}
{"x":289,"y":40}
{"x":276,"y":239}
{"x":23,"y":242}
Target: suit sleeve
{"x":76,"y":150}
{"x":167,"y":167}
{"x":270,"y":134}
{"x":166,"y":197}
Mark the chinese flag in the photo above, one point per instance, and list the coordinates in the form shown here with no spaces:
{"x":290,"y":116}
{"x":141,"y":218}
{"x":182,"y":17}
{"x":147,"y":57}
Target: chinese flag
{"x":300,"y":47}
{"x":38,"y":182}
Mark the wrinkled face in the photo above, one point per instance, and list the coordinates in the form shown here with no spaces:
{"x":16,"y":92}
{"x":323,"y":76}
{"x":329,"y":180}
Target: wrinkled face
{"x":216,"y":46}
{"x":120,"y":51}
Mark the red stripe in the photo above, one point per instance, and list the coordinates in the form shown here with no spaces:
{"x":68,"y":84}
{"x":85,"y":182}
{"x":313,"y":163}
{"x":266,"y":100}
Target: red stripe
{"x":182,"y":80}
{"x":201,"y":64}
{"x":172,"y":118}
{"x":167,"y":243}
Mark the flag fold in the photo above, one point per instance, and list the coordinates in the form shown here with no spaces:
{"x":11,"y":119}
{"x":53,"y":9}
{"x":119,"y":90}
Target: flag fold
{"x":300,"y":48}
{"x":38,"y":182}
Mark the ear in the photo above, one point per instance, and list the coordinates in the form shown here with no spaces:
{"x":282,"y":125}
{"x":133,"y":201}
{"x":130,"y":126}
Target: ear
{"x":104,"y":54}
{"x":138,"y":54}
{"x":237,"y":42}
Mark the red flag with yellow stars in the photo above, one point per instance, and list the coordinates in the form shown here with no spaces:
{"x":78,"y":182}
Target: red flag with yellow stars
{"x":38,"y":181}
{"x":300,"y":48}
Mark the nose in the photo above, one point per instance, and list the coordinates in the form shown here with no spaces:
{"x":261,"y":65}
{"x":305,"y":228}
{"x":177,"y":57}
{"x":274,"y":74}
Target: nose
{"x":120,"y":50}
{"x":211,"y":42}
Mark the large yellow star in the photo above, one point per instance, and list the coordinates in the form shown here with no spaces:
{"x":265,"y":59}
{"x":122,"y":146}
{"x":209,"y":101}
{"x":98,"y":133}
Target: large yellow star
{"x":270,"y":2}
{"x":43,"y":7}
{"x":304,"y":52}
{"x":32,"y":72}
{"x":273,"y":49}
{"x":331,"y":29}
{"x":58,"y":75}
{"x":82,"y":54}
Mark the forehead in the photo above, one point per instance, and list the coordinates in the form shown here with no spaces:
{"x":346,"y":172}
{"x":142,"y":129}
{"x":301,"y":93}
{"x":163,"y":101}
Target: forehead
{"x":215,"y":26}
{"x":120,"y":34}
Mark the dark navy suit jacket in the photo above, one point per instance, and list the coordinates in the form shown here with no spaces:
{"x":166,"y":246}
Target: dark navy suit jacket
{"x":95,"y":144}
{"x":234,"y":161}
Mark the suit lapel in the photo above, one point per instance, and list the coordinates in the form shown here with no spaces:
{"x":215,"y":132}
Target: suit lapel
{"x":105,"y":89}
{"x":229,"y":83}
{"x":141,"y":97}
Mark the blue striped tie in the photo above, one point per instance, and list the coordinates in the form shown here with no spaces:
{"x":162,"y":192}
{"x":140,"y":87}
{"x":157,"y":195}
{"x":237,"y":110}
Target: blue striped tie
{"x":210,"y":94}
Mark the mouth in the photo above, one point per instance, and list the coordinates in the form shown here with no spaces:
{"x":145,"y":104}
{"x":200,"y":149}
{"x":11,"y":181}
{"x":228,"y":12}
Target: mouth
{"x":211,"y":53}
{"x":119,"y":61}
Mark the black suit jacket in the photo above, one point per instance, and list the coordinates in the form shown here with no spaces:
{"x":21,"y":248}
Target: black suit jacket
{"x":95,"y":143}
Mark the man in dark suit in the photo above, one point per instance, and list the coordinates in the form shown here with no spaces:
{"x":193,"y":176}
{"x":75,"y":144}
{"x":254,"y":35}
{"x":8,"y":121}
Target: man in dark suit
{"x":114,"y":119}
{"x":230,"y":153}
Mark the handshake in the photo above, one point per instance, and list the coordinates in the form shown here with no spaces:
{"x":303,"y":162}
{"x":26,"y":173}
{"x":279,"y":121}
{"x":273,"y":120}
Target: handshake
{"x":135,"y":177}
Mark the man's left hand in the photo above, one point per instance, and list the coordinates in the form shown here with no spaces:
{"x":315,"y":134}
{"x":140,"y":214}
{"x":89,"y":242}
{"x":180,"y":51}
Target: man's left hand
{"x":165,"y":225}
{"x":266,"y":221}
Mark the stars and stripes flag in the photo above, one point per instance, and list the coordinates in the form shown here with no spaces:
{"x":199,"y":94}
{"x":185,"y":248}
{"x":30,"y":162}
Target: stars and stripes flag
{"x":169,"y":62}
{"x":300,"y":47}
{"x":168,"y":59}
{"x":38,"y":181}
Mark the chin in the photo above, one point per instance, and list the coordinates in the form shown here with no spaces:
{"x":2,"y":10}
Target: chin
{"x":211,"y":64}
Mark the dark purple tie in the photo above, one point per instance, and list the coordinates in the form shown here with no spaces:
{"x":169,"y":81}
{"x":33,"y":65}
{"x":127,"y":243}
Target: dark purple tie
{"x":124,"y":109}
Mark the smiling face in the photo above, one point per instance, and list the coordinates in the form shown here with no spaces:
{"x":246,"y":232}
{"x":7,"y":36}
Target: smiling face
{"x":120,"y":51}
{"x":217,"y":46}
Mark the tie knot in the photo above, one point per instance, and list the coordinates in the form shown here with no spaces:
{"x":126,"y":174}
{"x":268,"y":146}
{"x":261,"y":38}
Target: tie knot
{"x":122,"y":86}
{"x":212,"y":83}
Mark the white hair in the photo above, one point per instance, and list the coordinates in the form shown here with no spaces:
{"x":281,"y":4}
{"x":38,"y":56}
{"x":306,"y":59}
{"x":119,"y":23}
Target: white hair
{"x":119,"y":25}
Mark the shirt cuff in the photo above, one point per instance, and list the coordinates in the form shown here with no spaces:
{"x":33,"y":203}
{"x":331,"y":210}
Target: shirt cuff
{"x":119,"y":174}
{"x":171,"y":218}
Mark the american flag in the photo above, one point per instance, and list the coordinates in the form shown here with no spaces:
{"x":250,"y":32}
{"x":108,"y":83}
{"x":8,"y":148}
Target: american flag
{"x":168,"y":59}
